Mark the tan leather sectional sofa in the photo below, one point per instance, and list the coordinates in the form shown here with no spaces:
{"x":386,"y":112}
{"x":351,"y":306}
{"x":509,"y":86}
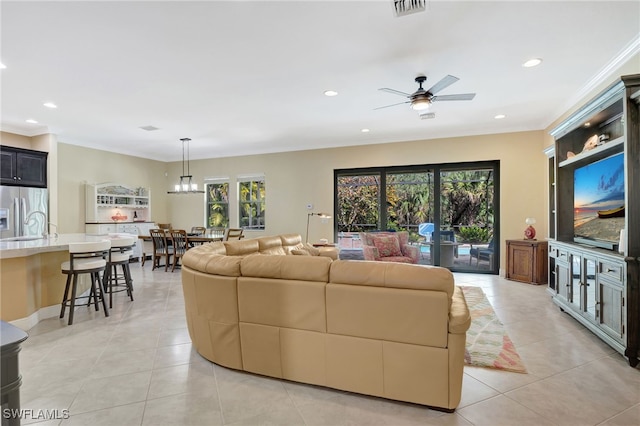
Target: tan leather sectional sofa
{"x":378,"y":328}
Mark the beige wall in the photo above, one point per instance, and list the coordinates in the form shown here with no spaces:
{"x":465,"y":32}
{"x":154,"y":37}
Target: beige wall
{"x":295,"y":179}
{"x":18,"y":141}
{"x":78,"y":165}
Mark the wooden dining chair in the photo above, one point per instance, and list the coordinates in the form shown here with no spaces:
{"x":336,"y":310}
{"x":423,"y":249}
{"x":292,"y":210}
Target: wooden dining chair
{"x":233,"y":234}
{"x":216,"y":232}
{"x":198,"y":230}
{"x":180,"y":245}
{"x":161,"y":248}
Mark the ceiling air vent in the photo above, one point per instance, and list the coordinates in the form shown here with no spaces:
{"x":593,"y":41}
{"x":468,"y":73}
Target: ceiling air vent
{"x":407,"y":7}
{"x":149,"y":128}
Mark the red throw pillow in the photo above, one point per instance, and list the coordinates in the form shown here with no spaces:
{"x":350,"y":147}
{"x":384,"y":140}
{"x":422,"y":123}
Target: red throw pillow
{"x":387,"y":245}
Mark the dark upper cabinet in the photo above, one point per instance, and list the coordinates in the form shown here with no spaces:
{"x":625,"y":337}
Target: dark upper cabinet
{"x":23,"y":167}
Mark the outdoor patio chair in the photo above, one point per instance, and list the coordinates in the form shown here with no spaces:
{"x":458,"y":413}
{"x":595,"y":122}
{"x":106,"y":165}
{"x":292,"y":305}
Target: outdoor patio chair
{"x":481,"y":253}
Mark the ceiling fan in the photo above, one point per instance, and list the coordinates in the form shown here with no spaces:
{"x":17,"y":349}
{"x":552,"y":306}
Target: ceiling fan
{"x":421,"y":99}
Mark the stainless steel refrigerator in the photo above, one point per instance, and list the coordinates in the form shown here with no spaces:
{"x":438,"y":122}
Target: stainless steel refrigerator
{"x":18,"y":211}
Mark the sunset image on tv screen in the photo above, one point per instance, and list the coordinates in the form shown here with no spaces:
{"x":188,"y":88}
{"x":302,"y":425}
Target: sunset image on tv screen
{"x":599,"y":199}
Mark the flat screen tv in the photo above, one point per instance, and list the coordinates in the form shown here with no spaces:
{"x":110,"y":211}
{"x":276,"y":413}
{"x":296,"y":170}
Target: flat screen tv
{"x":598,"y":206}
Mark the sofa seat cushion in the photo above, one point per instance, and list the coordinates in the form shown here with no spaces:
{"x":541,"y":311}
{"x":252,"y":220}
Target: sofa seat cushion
{"x":387,"y":245}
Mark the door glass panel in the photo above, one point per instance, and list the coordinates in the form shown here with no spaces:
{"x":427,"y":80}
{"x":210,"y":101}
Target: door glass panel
{"x":466,"y":220}
{"x":358,"y":199}
{"x":590,"y":287}
{"x":410,"y":208}
{"x":576,"y":283}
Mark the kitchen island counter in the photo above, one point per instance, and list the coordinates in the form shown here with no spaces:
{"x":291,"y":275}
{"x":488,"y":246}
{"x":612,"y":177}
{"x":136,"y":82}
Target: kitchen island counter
{"x":11,"y":249}
{"x":31,"y":281}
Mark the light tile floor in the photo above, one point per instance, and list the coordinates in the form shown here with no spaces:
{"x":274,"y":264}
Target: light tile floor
{"x":137,"y":367}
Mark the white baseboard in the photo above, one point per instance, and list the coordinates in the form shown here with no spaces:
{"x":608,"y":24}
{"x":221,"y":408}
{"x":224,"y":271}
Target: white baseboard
{"x":41,"y":314}
{"x":33,"y":319}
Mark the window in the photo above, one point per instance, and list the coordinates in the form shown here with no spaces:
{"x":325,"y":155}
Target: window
{"x":358,"y":201}
{"x":251,"y":195}
{"x":217,"y":203}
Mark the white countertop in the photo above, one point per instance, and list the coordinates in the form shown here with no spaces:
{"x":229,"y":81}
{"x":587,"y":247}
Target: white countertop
{"x":12,"y":249}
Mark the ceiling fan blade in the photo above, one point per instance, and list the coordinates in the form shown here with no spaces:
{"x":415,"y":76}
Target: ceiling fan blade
{"x":387,"y":106}
{"x":395,"y":92}
{"x":459,"y":97}
{"x":445,"y":82}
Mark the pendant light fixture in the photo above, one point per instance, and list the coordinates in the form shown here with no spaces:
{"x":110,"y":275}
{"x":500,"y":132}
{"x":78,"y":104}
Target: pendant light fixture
{"x":186,"y":186}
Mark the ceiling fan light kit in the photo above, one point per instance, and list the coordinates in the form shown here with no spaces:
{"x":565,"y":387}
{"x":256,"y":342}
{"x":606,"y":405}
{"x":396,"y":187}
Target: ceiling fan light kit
{"x":420,"y":104}
{"x":421,"y":99}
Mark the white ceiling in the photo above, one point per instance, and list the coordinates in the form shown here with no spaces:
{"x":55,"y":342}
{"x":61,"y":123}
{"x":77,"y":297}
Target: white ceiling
{"x":242,"y":77}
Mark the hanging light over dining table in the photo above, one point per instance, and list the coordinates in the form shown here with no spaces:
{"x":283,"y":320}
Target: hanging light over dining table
{"x":186,"y":184}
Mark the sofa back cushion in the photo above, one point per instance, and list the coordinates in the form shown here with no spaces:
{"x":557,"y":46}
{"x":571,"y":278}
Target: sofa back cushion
{"x":282,"y":303}
{"x":290,"y":242}
{"x":303,"y":268}
{"x":271,"y":245}
{"x":410,"y":316}
{"x":242,"y":247}
{"x":211,"y":259}
{"x":395,"y":275}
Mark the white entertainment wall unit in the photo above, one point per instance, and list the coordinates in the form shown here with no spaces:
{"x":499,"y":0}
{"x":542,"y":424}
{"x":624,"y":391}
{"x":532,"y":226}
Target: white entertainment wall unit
{"x":114,"y":208}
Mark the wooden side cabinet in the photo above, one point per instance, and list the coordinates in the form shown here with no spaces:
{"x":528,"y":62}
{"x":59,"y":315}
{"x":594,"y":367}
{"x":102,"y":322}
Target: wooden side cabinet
{"x":527,"y":261}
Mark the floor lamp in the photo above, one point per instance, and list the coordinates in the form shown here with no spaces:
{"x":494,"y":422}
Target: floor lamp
{"x":322,"y":215}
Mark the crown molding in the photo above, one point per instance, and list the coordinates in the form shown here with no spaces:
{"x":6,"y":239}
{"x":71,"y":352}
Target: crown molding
{"x":603,"y":76}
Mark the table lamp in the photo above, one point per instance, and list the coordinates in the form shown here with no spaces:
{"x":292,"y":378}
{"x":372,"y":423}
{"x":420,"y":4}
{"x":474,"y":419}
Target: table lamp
{"x":530,"y":232}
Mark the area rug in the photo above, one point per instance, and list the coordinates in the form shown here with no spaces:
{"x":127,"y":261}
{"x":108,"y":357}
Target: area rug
{"x":487,"y":342}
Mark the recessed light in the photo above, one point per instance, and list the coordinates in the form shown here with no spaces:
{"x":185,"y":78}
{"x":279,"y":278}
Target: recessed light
{"x":2,"y":66}
{"x":499,"y":116}
{"x":587,"y":124}
{"x":330,"y":93}
{"x":365,"y":130}
{"x":50,"y":105}
{"x":31,"y":121}
{"x":532,"y":62}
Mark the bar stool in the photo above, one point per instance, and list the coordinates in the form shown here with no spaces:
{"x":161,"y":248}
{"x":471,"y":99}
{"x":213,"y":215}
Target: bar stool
{"x":85,"y":258}
{"x":119,"y":255}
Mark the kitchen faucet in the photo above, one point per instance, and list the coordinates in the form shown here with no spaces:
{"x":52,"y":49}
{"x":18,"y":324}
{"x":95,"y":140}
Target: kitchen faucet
{"x":44,"y":225}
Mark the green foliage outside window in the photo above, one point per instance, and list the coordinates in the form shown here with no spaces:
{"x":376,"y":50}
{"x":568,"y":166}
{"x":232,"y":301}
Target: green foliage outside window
{"x":358,"y":201}
{"x":217,"y":204}
{"x":252,"y":196}
{"x":466,"y":200}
